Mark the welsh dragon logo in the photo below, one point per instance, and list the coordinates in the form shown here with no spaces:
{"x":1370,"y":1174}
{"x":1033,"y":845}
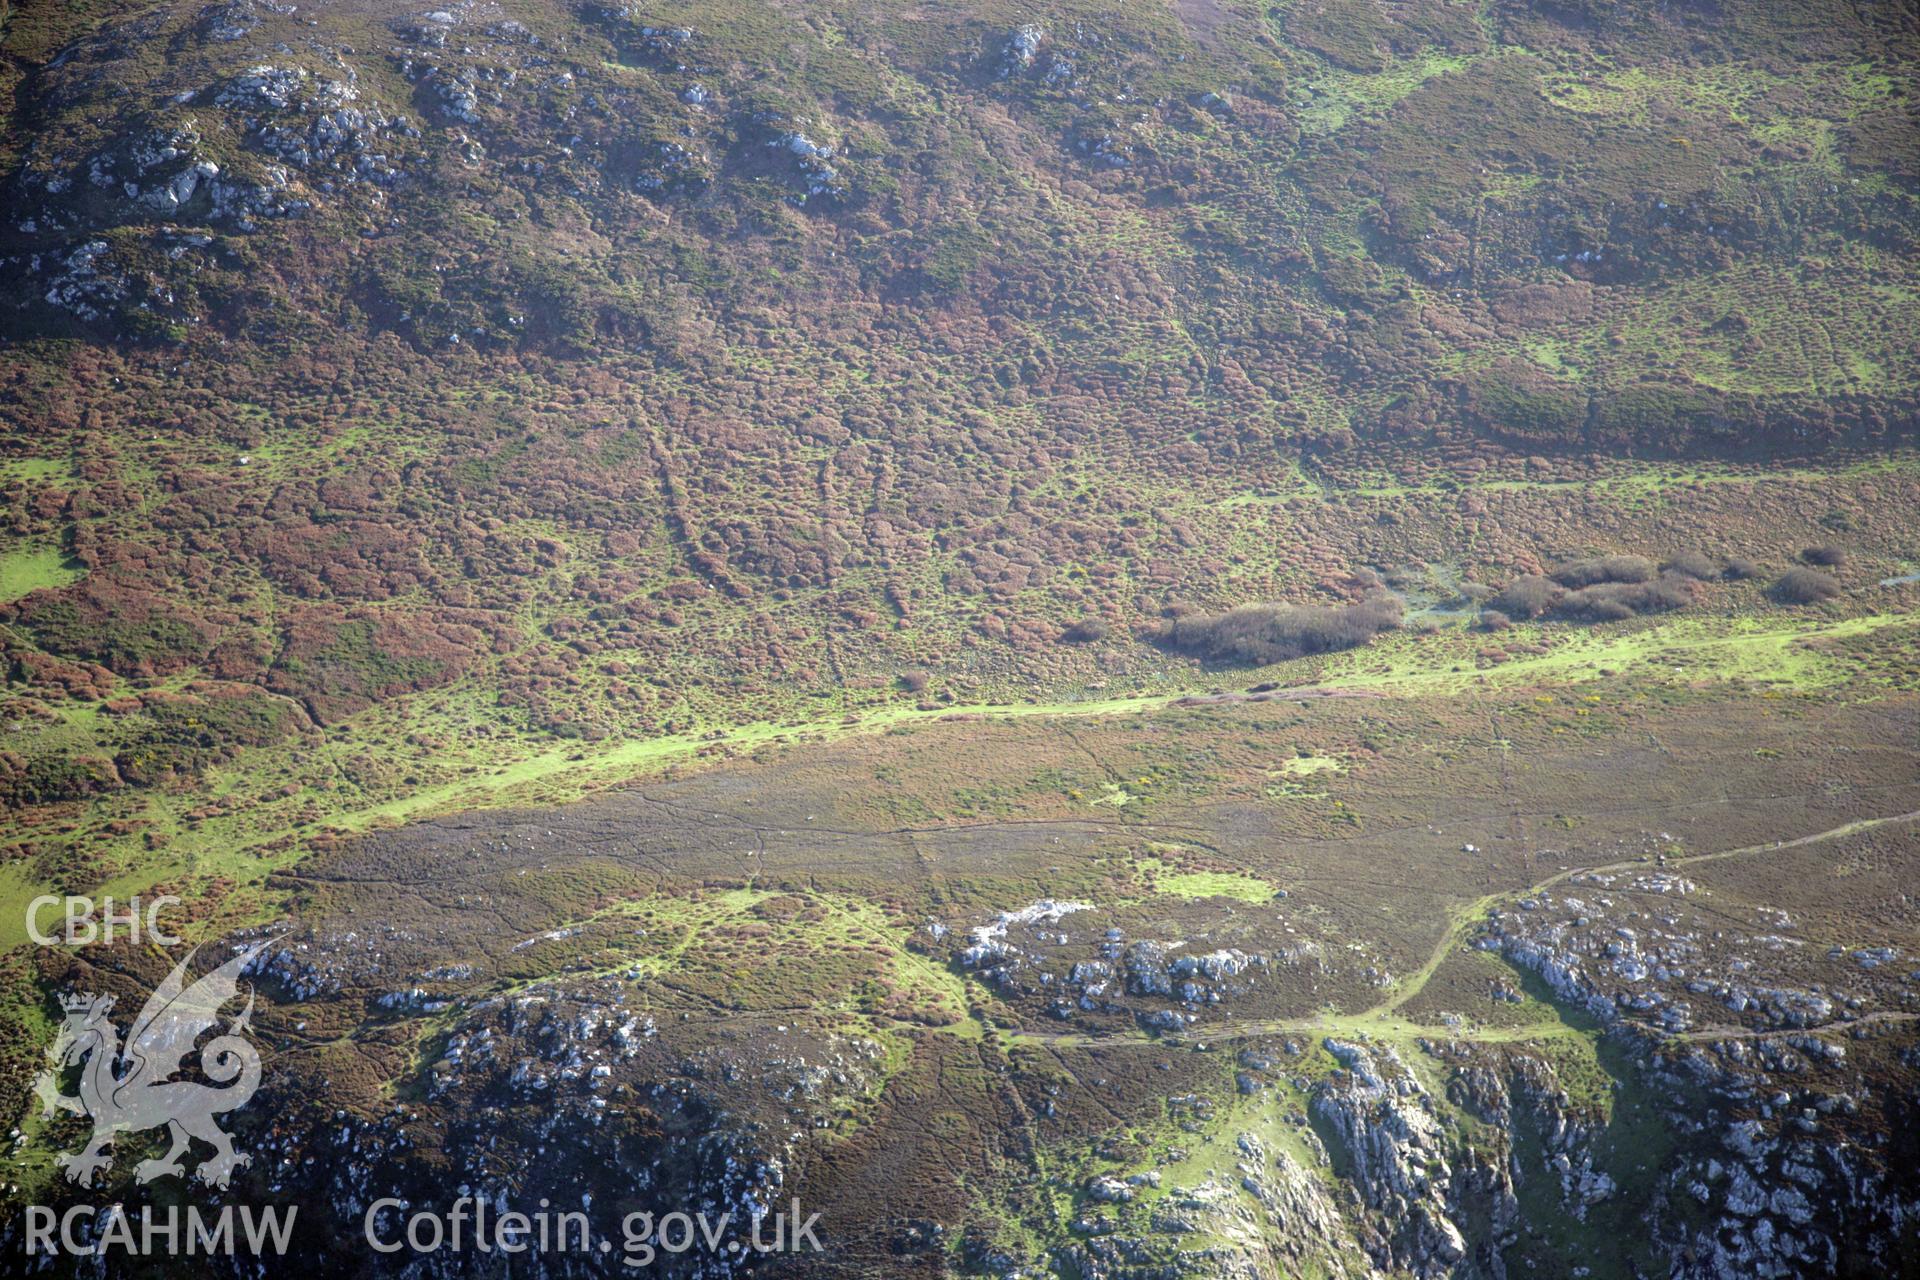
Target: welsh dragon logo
{"x":131,"y":1090}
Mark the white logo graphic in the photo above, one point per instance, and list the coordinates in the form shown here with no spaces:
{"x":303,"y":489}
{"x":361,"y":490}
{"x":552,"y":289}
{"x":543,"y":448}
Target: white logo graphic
{"x":132,"y":1091}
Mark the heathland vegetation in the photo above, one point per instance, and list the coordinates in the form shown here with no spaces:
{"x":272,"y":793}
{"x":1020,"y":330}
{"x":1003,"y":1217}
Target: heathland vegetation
{"x":1041,"y":534}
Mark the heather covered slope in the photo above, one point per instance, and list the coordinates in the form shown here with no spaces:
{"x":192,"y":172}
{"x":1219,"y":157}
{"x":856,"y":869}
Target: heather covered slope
{"x":1655,"y":227}
{"x":614,"y":373}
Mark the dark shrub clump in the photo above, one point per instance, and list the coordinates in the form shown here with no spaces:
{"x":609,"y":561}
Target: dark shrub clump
{"x":1587,"y":573}
{"x":1740,"y":568}
{"x":1692,"y":564}
{"x":1527,"y":596}
{"x":1827,"y":557}
{"x":1257,"y":634}
{"x":1613,"y":601}
{"x":1606,"y":589}
{"x":52,"y":779}
{"x":1494,"y":620}
{"x":1085,"y":631}
{"x":1805,"y":586}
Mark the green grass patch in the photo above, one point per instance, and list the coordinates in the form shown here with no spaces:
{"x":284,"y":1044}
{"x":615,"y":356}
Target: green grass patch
{"x":1182,"y":882}
{"x":28,"y":569}
{"x":36,"y":470}
{"x":1307,"y":766}
{"x":1769,"y":649}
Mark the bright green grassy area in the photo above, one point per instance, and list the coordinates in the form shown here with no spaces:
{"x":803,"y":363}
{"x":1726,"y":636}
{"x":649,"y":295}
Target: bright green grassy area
{"x":35,"y":470}
{"x":1338,"y":95}
{"x":1742,"y":94}
{"x":1214,"y":884}
{"x":18,"y":887}
{"x":33,"y":568}
{"x":1768,"y":649}
{"x":1307,"y":766}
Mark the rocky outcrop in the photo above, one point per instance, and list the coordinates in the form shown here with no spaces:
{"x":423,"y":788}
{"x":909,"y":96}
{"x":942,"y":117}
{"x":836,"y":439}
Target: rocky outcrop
{"x":1394,"y":1153}
{"x":317,"y":123}
{"x":1303,"y":1226}
{"x":154,"y":173}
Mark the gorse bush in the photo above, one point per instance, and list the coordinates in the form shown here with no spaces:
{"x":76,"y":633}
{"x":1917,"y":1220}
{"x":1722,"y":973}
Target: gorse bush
{"x":1614,"y":588}
{"x":1085,"y":631}
{"x":1258,"y":634}
{"x":1587,"y":573}
{"x":1527,"y":596}
{"x":1805,"y":586}
{"x":1613,"y":601}
{"x":1602,"y":589}
{"x":1692,"y":564}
